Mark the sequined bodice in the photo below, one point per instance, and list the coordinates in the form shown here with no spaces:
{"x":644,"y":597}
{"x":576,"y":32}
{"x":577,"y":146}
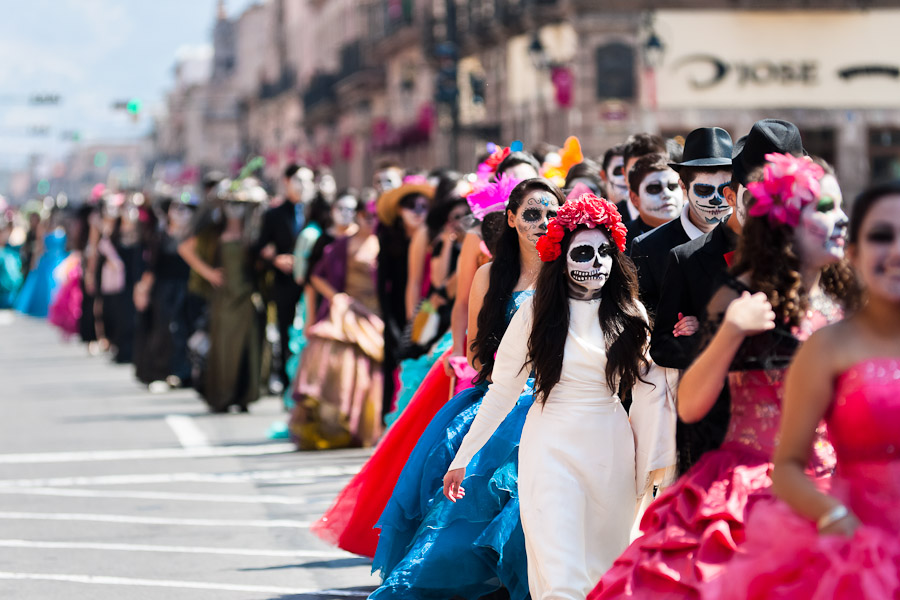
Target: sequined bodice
{"x":864,"y":423}
{"x":864,"y":420}
{"x":515,"y":302}
{"x":756,"y":383}
{"x":756,"y":398}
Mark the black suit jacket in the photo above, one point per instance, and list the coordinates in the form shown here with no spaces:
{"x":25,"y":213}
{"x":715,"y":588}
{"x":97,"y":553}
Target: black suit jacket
{"x":650,"y":252}
{"x":278,"y":229}
{"x":695,"y":270}
{"x":622,"y":206}
{"x":636,"y":229}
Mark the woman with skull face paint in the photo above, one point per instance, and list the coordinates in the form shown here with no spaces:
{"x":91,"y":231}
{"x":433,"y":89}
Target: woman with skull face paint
{"x":582,"y":465}
{"x":840,"y":542}
{"x":789,"y":279}
{"x":423,"y":534}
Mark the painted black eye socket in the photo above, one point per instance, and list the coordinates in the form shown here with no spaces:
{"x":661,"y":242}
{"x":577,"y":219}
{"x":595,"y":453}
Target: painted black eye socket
{"x":618,"y":171}
{"x":654,"y":188}
{"x":551,"y":214}
{"x":531,"y":215}
{"x":582,"y":254}
{"x":704,"y":190}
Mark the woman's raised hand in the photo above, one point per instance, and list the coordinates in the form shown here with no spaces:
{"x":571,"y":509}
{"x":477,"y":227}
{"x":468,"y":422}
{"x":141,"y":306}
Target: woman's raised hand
{"x":453,"y":488}
{"x":750,"y":314}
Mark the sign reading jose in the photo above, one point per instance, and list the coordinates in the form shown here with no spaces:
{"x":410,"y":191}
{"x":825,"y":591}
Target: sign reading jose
{"x":816,"y":59}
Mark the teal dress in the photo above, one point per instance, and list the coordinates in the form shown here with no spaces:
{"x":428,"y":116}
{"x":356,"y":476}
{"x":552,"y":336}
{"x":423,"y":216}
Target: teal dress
{"x":10,"y":275}
{"x":433,"y":548}
{"x":40,"y":286}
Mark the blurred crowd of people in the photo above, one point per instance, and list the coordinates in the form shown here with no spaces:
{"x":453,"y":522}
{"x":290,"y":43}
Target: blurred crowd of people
{"x":596,"y":347}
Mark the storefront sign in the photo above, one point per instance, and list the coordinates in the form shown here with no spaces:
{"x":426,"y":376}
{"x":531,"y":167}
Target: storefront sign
{"x":815,"y":59}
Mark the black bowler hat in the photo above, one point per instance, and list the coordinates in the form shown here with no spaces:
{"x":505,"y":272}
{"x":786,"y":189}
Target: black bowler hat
{"x":766,"y":136}
{"x":706,"y":147}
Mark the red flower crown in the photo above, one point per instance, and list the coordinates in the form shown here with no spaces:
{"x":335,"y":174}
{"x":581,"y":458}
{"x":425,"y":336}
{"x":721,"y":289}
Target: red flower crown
{"x":587,"y":210}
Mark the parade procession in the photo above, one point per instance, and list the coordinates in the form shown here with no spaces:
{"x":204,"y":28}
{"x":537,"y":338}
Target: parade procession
{"x":450,"y":300}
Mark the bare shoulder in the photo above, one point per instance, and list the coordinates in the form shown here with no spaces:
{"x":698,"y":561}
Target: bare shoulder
{"x":482,"y":278}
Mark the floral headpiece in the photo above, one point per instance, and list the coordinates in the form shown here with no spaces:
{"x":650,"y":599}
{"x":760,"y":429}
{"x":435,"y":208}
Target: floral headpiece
{"x":587,"y":210}
{"x":491,"y":197}
{"x":498,"y":154}
{"x":789,"y":183}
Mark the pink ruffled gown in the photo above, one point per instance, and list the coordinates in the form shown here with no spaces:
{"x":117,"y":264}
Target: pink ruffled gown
{"x":694,"y":528}
{"x":785,"y":557}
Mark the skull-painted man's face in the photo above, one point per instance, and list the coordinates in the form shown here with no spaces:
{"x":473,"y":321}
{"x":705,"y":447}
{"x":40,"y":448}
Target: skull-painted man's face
{"x":588,"y":263}
{"x":615,"y":175}
{"x":706,"y":195}
{"x":661,"y":198}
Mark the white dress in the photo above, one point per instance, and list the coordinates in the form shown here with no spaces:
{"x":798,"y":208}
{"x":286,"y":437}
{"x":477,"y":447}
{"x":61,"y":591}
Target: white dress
{"x":580,"y":476}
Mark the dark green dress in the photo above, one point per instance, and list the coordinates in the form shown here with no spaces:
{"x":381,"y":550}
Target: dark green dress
{"x":233,"y":368}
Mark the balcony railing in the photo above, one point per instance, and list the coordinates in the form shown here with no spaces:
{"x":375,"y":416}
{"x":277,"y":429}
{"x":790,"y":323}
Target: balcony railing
{"x":285,"y":82}
{"x":320,"y":90}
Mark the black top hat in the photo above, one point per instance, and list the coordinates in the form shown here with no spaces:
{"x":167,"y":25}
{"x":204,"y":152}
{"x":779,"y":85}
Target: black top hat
{"x":766,"y":136}
{"x":706,"y":147}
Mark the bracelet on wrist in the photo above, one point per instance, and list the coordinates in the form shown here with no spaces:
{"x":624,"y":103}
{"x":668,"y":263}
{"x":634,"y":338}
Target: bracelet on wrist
{"x":832,"y":516}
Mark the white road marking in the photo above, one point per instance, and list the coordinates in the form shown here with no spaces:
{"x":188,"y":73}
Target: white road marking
{"x":173,"y":549}
{"x":7,"y":317}
{"x":192,"y":585}
{"x":139,"y":495}
{"x":305,"y":475}
{"x":189,"y":435}
{"x":148,"y":454}
{"x":153,"y":520}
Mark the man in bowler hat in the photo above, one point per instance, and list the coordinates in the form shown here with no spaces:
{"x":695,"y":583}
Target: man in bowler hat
{"x":704,"y":172}
{"x":696,"y":269}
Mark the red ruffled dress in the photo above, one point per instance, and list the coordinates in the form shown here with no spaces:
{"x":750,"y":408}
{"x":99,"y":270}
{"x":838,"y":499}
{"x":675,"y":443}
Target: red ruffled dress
{"x":786,"y":558}
{"x":692,"y":530}
{"x":350,"y":522}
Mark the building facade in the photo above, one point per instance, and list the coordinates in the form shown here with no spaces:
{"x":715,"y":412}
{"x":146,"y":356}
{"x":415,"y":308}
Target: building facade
{"x":346,"y":83}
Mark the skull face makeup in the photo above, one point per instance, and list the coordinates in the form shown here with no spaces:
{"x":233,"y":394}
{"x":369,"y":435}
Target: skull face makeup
{"x":661,"y":197}
{"x":534,"y":214}
{"x":303,"y":185}
{"x":823,"y":226}
{"x":706,"y":196}
{"x":343,"y":212}
{"x":588,"y":263}
{"x":615,"y":175}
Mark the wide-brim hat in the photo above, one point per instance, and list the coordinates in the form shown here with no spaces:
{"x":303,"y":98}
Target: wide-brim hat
{"x":246,"y":190}
{"x":765,"y":137}
{"x":388,"y":205}
{"x":706,"y":147}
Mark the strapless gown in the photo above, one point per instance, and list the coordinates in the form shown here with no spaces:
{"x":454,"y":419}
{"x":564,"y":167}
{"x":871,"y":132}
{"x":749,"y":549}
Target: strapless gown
{"x":352,"y":522}
{"x":864,"y":426}
{"x":691,"y":532}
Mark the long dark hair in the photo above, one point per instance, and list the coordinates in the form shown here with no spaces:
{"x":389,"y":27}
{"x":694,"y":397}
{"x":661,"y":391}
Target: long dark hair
{"x":625,"y":327}
{"x":505,"y":271}
{"x":767,"y":254}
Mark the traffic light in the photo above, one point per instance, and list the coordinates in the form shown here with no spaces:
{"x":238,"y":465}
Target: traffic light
{"x":133,"y":106}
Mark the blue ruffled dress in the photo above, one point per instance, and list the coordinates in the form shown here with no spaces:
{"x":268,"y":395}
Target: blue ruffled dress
{"x":433,"y":548}
{"x":40,"y":286}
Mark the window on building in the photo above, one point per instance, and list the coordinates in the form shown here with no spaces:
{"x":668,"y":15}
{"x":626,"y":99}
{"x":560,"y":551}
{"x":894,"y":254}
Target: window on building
{"x":884,"y":153}
{"x":820,"y":142}
{"x":616,"y":72}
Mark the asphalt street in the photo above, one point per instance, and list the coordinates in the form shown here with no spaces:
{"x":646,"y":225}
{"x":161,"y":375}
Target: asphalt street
{"x":108,"y":491}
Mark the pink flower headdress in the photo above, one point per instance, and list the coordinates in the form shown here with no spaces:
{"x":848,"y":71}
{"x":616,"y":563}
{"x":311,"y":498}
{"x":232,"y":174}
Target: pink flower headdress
{"x":587,"y":210}
{"x":491,"y":197}
{"x":789,"y":183}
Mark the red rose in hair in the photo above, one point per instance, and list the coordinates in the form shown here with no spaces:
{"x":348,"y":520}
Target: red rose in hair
{"x":555,"y":231}
{"x":548,"y":249}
